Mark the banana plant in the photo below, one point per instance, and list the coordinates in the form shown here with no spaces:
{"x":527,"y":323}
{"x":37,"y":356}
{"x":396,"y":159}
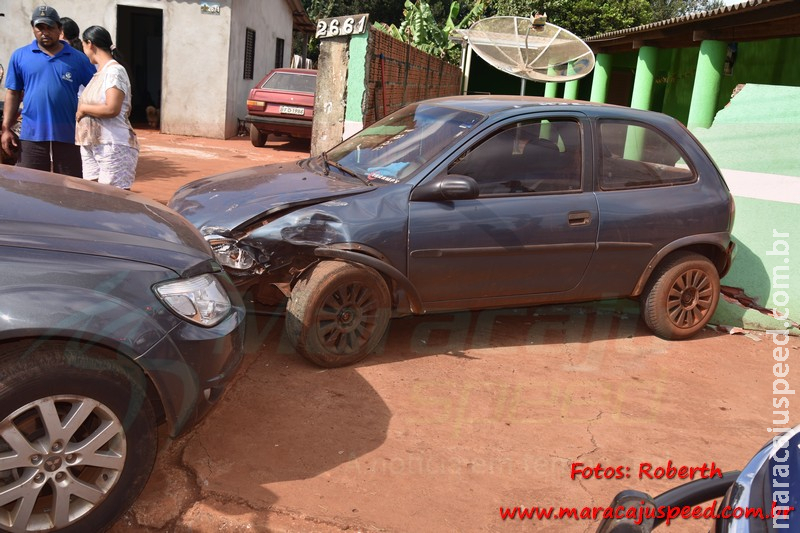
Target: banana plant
{"x":421,"y":30}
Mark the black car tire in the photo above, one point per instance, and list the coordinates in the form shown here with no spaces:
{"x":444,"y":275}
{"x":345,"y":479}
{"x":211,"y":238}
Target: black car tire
{"x":681,"y":296}
{"x":257,"y":138}
{"x":82,"y":428}
{"x":338,"y":313}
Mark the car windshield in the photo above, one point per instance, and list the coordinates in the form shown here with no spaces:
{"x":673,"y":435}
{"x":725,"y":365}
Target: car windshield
{"x":392,"y":149}
{"x":291,"y":81}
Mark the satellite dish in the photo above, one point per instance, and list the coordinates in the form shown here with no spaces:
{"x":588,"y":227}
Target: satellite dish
{"x":530,"y":48}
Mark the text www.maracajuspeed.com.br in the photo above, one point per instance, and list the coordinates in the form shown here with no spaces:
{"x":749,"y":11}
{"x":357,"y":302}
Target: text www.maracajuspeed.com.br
{"x":641,"y":513}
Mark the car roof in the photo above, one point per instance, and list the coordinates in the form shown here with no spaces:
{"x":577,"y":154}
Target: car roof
{"x":492,"y":104}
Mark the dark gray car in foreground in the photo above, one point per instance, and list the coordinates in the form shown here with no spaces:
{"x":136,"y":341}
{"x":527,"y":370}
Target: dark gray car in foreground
{"x":471,"y":203}
{"x":114,"y":317}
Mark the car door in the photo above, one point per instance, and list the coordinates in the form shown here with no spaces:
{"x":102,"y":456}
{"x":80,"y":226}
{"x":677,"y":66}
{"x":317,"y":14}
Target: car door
{"x":649,"y":195}
{"x":530,"y":231}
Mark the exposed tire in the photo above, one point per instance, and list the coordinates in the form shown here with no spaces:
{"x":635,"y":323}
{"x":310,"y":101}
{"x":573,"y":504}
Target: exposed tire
{"x":338,"y":313}
{"x":681,"y":296}
{"x":78,"y":438}
{"x":257,"y":138}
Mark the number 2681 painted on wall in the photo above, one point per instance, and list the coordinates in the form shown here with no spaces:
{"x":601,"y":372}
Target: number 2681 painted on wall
{"x":337,"y":26}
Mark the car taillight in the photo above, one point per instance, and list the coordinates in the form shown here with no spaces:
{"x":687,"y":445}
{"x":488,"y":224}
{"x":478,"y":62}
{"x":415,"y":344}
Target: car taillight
{"x":255,"y":103}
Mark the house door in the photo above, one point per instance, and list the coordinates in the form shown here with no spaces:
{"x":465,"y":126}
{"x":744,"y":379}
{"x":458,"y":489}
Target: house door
{"x":139,"y":38}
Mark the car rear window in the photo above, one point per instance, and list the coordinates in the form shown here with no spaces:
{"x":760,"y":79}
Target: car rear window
{"x":289,"y":81}
{"x":634,"y":156}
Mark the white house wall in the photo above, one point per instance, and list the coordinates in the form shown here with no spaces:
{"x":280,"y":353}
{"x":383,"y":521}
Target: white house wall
{"x":203,"y":90}
{"x":15,"y":26}
{"x":195,"y":68}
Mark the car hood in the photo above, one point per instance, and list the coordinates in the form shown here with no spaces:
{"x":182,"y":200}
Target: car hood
{"x":40,"y":210}
{"x":238,"y":198}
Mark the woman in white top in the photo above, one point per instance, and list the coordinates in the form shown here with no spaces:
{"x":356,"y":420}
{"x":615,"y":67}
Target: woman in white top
{"x":109,"y":147}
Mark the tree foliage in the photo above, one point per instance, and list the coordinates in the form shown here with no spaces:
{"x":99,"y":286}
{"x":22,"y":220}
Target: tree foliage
{"x":382,"y":11}
{"x":584,"y":18}
{"x":420,"y":29}
{"x":667,"y":9}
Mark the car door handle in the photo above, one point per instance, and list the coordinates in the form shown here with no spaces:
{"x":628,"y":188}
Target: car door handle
{"x":579,"y":218}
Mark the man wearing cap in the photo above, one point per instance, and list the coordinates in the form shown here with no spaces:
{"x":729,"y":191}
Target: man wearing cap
{"x":45,"y":77}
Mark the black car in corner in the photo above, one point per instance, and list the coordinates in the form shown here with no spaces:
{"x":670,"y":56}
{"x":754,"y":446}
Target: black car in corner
{"x":764,"y":497}
{"x":114,"y":318}
{"x":475,"y":202}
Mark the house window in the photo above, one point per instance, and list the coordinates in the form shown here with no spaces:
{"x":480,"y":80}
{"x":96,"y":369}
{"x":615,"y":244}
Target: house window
{"x":279,"y":53}
{"x":249,"y":53}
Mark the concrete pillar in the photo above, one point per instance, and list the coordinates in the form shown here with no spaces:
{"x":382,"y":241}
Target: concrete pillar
{"x":466,"y":70}
{"x":602,"y":73}
{"x":644,"y":78}
{"x":710,"y":64}
{"x":642,"y":93}
{"x":571,"y":87}
{"x":551,"y":87}
{"x":329,"y":102}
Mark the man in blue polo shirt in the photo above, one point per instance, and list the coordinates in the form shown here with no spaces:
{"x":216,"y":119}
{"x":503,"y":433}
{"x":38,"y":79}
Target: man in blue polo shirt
{"x":45,"y":77}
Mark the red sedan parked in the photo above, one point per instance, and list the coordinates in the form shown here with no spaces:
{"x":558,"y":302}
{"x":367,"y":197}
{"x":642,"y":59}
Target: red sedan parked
{"x":282,"y":103}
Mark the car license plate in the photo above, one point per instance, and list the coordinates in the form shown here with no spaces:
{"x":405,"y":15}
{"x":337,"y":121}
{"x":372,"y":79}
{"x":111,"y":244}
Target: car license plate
{"x":292,"y":110}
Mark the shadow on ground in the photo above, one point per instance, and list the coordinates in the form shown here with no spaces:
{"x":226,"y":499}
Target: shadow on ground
{"x":285,"y":420}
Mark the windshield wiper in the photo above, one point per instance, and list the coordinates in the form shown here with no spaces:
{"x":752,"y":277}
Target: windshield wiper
{"x":343,"y":169}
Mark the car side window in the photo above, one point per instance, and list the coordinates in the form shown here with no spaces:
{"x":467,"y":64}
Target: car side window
{"x":542,"y":156}
{"x":633,"y":156}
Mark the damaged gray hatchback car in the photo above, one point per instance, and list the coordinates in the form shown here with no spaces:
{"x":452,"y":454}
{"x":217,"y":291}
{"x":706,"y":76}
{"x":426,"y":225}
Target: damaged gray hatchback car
{"x":470,"y":203}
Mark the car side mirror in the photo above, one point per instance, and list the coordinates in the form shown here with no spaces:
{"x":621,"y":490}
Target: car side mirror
{"x":446,"y":187}
{"x":629,"y":513}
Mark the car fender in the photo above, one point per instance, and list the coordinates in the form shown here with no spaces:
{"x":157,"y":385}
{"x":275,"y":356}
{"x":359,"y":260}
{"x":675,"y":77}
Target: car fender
{"x":93,"y":318}
{"x":82,"y":315}
{"x":414,"y":300}
{"x":719,"y":240}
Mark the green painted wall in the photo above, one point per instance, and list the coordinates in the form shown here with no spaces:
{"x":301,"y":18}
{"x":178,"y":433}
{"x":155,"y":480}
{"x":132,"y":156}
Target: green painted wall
{"x":757,"y":264}
{"x":750,"y":66}
{"x":661,"y":79}
{"x":679,"y":83}
{"x":356,"y":78}
{"x":757,"y":132}
{"x":772,"y":62}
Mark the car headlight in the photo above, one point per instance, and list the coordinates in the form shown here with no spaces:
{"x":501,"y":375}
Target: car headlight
{"x":201,"y":300}
{"x":229,"y":254}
